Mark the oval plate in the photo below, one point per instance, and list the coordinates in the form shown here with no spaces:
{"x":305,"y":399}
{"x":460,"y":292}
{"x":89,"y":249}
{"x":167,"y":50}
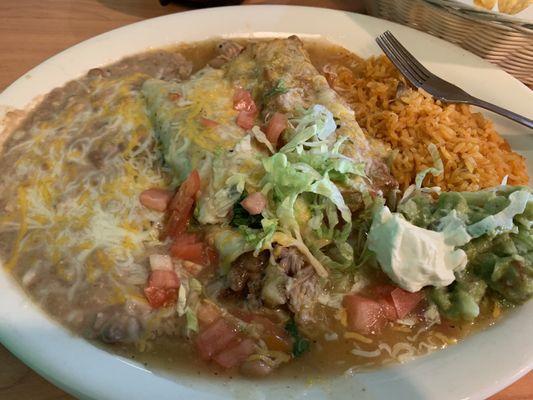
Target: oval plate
{"x":476,"y":368}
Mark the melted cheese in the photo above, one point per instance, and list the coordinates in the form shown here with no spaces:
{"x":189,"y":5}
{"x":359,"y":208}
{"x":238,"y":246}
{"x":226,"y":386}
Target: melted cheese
{"x":23,"y":227}
{"x":83,"y":220}
{"x":185,"y":141}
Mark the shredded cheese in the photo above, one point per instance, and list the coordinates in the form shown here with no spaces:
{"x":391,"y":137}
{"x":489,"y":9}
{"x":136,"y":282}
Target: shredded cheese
{"x":358,"y":337}
{"x":23,"y":209}
{"x":85,"y":219}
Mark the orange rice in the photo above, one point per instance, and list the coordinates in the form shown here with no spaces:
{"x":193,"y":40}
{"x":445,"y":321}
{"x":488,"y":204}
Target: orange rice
{"x":473,"y":153}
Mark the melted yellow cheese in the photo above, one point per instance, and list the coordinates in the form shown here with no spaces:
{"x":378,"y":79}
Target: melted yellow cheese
{"x":83,"y":219}
{"x":23,"y":209}
{"x":177,"y":111}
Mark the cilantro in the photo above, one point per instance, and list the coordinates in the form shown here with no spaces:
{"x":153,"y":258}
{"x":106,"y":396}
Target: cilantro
{"x":301,"y":344}
{"x":242,"y":217}
{"x":280,"y":88}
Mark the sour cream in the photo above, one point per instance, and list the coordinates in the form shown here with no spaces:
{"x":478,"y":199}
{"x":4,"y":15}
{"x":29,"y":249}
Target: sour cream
{"x":411,"y":256}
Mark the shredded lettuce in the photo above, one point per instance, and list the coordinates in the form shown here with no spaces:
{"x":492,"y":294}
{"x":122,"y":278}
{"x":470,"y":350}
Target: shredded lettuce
{"x":317,"y":122}
{"x":327,"y":162}
{"x":226,"y":181}
{"x":328,"y":261}
{"x":188,"y":304}
{"x":261,"y":138}
{"x":260,"y":239}
{"x":284,"y":179}
{"x":301,"y":184}
{"x":230,"y":244}
{"x":436,"y":170}
{"x":182,"y":300}
{"x":502,"y":221}
{"x":288,"y":181}
{"x":285,"y":213}
{"x":329,"y":234}
{"x":195,"y":285}
{"x":326,"y":188}
{"x":192,"y":320}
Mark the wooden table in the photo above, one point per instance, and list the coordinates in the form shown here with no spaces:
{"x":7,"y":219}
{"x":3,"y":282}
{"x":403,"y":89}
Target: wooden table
{"x":33,"y":30}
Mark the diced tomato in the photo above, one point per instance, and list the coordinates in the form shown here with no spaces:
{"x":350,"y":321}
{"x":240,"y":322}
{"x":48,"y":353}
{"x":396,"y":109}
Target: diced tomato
{"x":243,"y":101}
{"x":215,"y":338}
{"x":164,"y":279}
{"x":383,"y":290}
{"x":155,"y":199}
{"x":235,"y":355}
{"x":241,"y":314}
{"x":405,"y":301}
{"x":207,"y":313}
{"x":275,"y":336}
{"x":208,"y":123}
{"x":364,"y":315}
{"x":254,"y":203}
{"x":187,"y":190}
{"x":186,"y":239}
{"x":245,"y":119}
{"x":277,"y":124}
{"x":179,"y":219}
{"x":181,"y":205}
{"x":191,"y":252}
{"x":212,"y":255}
{"x":161,"y":289}
{"x":388,"y":309}
{"x":161,"y":262}
{"x":190,"y":247}
{"x":160,"y":297}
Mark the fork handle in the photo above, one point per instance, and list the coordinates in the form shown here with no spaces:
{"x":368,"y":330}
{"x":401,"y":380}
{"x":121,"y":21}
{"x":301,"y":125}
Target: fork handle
{"x":502,"y":111}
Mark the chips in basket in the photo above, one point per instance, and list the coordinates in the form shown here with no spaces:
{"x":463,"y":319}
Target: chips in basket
{"x":513,"y":6}
{"x":505,"y":6}
{"x":488,"y":4}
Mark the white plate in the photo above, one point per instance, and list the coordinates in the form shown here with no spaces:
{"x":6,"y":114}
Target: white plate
{"x":476,"y":368}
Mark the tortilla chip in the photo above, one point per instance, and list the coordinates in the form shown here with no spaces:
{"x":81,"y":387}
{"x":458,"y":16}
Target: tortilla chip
{"x":513,"y":6}
{"x":487,"y":4}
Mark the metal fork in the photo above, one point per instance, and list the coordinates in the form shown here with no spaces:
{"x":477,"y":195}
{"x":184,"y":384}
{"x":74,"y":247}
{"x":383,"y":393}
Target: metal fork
{"x":440,"y":89}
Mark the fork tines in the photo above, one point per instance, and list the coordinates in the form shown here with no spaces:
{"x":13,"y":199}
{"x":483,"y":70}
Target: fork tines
{"x":415,"y":72}
{"x":437,"y":87}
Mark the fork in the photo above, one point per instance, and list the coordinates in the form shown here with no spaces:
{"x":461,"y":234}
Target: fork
{"x":440,"y":89}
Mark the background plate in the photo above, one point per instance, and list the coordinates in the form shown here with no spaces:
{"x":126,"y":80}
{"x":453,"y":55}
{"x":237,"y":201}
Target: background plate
{"x":476,"y":368}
